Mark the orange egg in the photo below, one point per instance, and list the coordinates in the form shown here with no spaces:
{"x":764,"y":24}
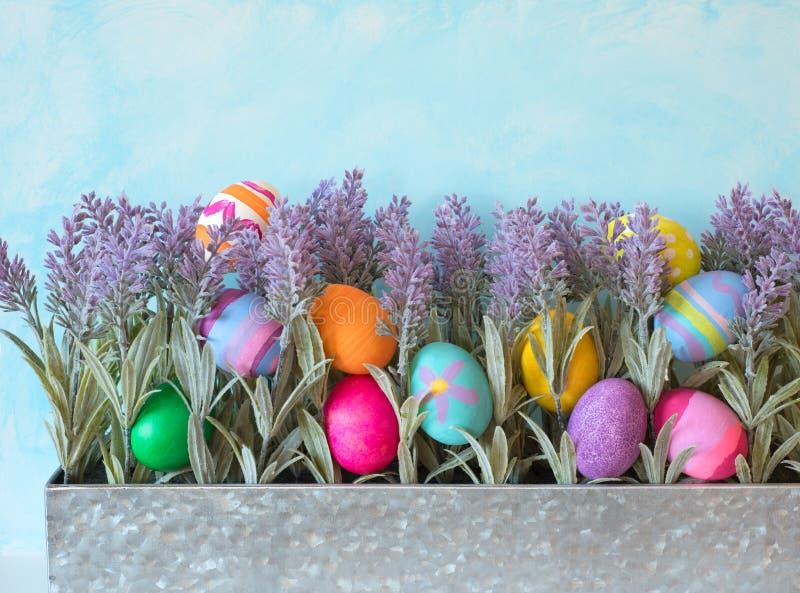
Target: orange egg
{"x":346,"y":318}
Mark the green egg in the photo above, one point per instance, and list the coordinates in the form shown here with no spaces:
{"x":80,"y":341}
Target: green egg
{"x":160,"y":435}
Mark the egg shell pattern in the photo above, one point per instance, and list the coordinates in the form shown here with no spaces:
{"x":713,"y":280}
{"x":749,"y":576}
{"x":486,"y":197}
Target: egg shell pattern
{"x":160,"y":434}
{"x":346,"y":318}
{"x":243,"y":340}
{"x":607,"y":425}
{"x":706,"y":423}
{"x":249,"y":201}
{"x":681,"y":252}
{"x":583,"y":371}
{"x":697,"y":314}
{"x":362,"y":428}
{"x":452,"y":387}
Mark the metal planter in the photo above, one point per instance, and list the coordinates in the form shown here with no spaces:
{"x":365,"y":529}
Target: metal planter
{"x":419,"y":539}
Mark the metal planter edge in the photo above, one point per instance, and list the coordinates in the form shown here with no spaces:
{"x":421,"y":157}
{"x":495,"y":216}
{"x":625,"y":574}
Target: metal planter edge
{"x":442,"y":538}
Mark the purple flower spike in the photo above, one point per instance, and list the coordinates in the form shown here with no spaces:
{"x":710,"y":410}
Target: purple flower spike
{"x":459,"y":246}
{"x":344,"y":233}
{"x":526,"y":266}
{"x":643,"y":269}
{"x":17,"y":286}
{"x":408,"y":276}
{"x":289,"y":266}
{"x":599,"y":248}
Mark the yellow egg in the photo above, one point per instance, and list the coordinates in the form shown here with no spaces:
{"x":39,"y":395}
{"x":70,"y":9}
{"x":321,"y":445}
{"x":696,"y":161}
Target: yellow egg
{"x":681,"y":252}
{"x":583,"y":371}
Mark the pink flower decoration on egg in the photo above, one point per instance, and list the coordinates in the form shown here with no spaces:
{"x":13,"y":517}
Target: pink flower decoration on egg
{"x":441,"y":388}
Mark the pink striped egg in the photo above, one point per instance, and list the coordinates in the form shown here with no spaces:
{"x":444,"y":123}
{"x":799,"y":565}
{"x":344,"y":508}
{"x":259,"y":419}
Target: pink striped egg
{"x":244,"y":341}
{"x":697,"y":314}
{"x":706,"y":423}
{"x":249,"y":201}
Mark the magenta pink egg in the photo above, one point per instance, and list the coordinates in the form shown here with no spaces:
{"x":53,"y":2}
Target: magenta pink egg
{"x":706,"y":423}
{"x":363,"y":432}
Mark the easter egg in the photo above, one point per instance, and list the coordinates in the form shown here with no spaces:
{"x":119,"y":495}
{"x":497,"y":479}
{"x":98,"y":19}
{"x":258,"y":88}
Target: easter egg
{"x":697,"y":313}
{"x":681,"y":252}
{"x":160,"y":435}
{"x":244,"y":341}
{"x":249,"y":201}
{"x":607,"y":425}
{"x":706,"y":423}
{"x":452,"y":387}
{"x":347,"y":319}
{"x":362,"y":428}
{"x":583,"y":371}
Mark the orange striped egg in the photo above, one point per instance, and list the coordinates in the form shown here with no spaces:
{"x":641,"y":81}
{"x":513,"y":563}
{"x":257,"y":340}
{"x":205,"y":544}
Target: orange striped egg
{"x":249,"y":201}
{"x":346,"y":318}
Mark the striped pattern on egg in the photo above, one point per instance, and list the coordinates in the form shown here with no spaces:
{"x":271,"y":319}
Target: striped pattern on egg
{"x":242,"y":339}
{"x":697,"y":314}
{"x":249,"y":201}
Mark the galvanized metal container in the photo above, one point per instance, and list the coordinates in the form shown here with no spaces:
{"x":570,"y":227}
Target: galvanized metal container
{"x":419,"y":539}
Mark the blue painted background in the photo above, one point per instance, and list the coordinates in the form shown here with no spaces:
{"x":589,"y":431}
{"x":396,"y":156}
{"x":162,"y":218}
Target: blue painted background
{"x":671,"y":103}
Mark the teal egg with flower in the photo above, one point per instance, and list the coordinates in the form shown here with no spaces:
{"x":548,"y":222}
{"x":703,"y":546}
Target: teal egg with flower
{"x":452,"y":387}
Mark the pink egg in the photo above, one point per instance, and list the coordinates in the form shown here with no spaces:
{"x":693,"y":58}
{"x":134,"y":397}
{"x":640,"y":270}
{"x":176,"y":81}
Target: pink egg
{"x":706,"y":423}
{"x":362,"y":427}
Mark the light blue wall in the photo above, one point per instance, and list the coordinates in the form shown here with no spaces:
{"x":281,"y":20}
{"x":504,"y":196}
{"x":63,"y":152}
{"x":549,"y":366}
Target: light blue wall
{"x":671,"y":103}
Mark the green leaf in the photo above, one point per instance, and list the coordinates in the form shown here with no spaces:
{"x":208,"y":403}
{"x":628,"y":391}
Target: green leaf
{"x":455,"y":461}
{"x":661,"y":450}
{"x":387,"y":385}
{"x":677,"y":465}
{"x":568,"y":458}
{"x":781,"y":399}
{"x":497,"y":368}
{"x":704,"y":374}
{"x":735,"y":394}
{"x":249,"y":466}
{"x":780,"y":454}
{"x":487,"y":475}
{"x":406,"y":464}
{"x":648,"y":465}
{"x":498,"y":458}
{"x":743,"y":470}
{"x":104,"y":382}
{"x":759,"y":386}
{"x":30,"y":356}
{"x":460,"y":461}
{"x":316,"y":444}
{"x":199,"y":455}
{"x":561,"y":474}
{"x":761,"y":449}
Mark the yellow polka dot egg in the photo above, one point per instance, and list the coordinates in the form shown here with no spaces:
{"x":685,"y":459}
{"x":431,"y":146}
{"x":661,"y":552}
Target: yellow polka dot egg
{"x":681,"y":252}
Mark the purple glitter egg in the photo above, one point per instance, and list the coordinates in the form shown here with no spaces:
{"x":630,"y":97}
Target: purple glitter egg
{"x":607,"y":425}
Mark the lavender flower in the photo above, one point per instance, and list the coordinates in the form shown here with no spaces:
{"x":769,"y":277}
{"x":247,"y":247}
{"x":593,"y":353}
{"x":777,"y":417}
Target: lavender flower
{"x":459,"y":249}
{"x":251,"y":256}
{"x":173,"y":238}
{"x":290,"y":265}
{"x":199,"y":275}
{"x":643,"y":267}
{"x":526,"y":268}
{"x":743,"y":231}
{"x":73,"y":277}
{"x":408,"y":277}
{"x":600,"y":246}
{"x":563,"y":222}
{"x":125,"y":263}
{"x":764,"y":303}
{"x":344,"y":234}
{"x":786,"y":233}
{"x":17,"y":287}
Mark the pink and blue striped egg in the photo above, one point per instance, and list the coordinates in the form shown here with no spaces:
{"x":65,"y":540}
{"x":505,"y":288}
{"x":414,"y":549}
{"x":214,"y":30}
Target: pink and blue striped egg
{"x":244,"y":341}
{"x":697,"y":314}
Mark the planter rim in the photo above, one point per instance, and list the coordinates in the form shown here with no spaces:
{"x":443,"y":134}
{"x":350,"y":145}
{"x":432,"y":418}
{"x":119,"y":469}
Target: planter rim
{"x":54,"y":484}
